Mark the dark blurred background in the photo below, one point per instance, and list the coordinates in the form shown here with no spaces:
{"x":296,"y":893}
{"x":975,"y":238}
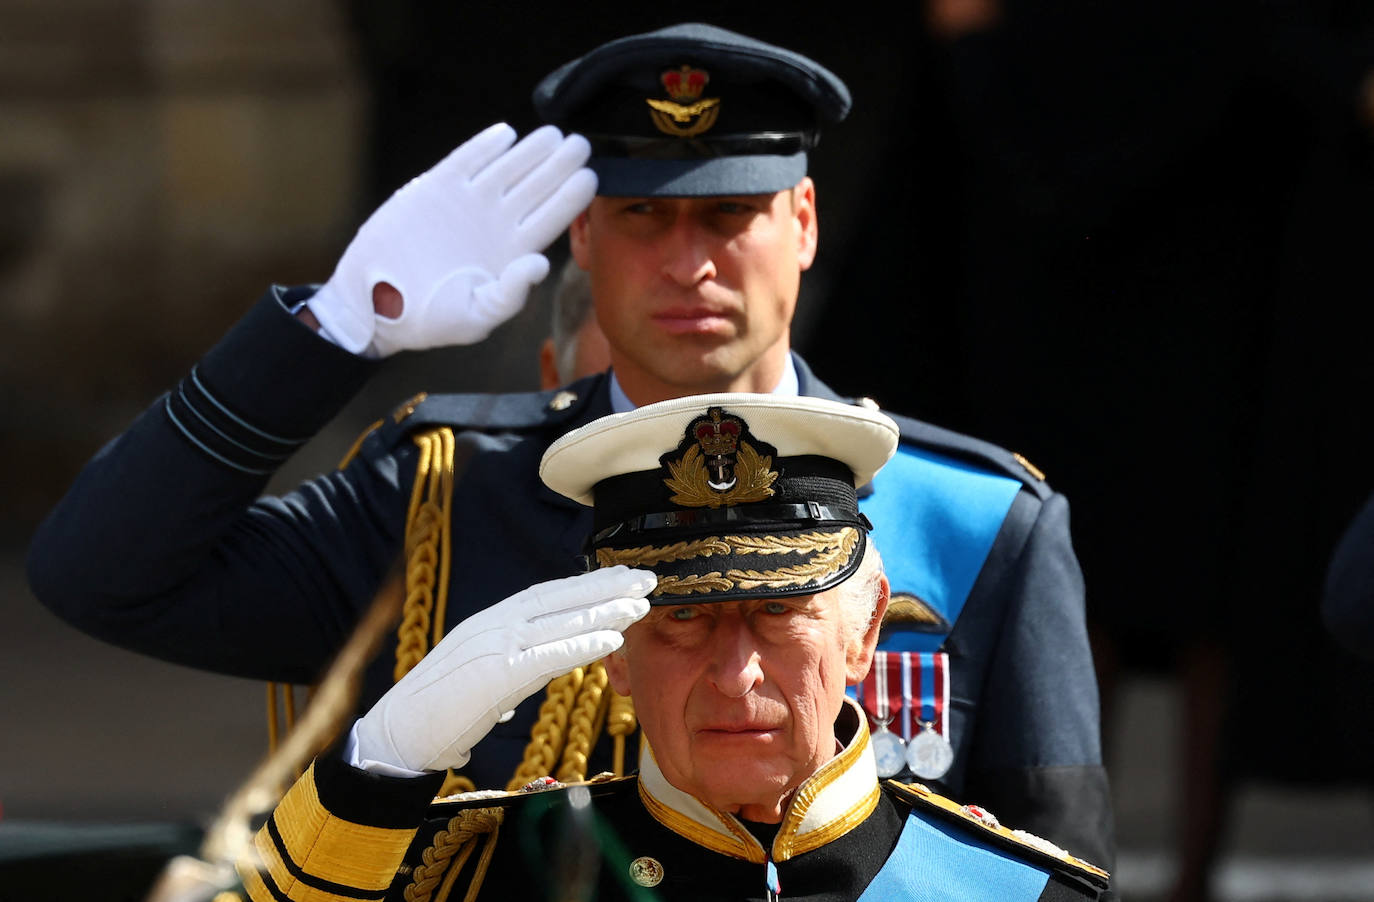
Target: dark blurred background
{"x":1127,"y":240}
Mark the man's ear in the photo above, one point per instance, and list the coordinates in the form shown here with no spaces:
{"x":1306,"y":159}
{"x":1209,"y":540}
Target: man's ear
{"x":808,"y":228}
{"x":618,"y":672}
{"x":548,"y":366}
{"x":859,"y":654}
{"x":579,"y":240}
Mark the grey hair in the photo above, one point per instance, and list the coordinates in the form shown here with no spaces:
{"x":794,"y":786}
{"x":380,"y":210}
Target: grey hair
{"x":859,"y":594}
{"x":572,"y":305}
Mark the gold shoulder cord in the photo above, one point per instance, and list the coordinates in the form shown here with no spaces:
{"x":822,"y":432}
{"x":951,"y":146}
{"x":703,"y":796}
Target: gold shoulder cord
{"x":441,"y":863}
{"x":576,"y":708}
{"x":428,"y":532}
{"x":428,"y":529}
{"x":281,"y":697}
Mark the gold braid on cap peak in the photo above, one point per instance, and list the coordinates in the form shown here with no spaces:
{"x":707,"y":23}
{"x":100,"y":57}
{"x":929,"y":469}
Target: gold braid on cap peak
{"x":647,"y":555}
{"x":832,"y":552}
{"x":828,"y":544}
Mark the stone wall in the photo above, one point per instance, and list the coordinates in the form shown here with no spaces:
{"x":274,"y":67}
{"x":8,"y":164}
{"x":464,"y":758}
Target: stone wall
{"x":160,"y":162}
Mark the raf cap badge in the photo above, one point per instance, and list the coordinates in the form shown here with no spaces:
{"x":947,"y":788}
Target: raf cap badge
{"x":688,"y":114}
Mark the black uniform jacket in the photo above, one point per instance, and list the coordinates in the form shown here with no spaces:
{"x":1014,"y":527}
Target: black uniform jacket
{"x":163,"y":546}
{"x":343,"y":834}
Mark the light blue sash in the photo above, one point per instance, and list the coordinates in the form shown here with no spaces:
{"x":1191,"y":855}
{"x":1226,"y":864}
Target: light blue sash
{"x":938,"y":862}
{"x":936,"y":519}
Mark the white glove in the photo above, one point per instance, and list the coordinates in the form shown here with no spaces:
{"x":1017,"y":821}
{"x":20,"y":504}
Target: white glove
{"x":496,"y":659}
{"x":461,"y":243}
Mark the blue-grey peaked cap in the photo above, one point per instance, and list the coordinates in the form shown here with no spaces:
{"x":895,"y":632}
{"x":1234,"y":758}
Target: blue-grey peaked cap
{"x":744,"y":117}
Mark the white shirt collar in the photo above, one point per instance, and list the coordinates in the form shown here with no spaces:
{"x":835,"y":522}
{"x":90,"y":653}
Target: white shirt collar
{"x":788,"y":387}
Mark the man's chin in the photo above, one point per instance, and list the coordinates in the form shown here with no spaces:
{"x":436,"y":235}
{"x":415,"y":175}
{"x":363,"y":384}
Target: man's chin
{"x":700,"y":369}
{"x":730,"y":786}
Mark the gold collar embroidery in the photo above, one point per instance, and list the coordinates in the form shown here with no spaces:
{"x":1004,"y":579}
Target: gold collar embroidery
{"x":830,"y":803}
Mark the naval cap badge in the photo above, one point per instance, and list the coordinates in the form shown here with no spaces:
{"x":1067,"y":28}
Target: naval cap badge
{"x":717,"y":465}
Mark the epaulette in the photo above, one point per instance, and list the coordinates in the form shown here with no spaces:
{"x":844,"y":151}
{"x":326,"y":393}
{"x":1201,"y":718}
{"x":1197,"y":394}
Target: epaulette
{"x":455,"y":826}
{"x":492,"y":413}
{"x":967,"y":449}
{"x":1024,"y":845}
{"x":512,"y":411}
{"x":546,"y":790}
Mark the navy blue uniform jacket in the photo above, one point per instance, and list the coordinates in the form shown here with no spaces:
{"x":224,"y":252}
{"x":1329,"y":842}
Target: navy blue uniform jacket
{"x":163,"y":546}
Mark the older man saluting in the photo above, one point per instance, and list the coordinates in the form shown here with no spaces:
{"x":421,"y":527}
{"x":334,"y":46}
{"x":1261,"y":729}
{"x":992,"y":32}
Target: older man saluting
{"x":740,"y":518}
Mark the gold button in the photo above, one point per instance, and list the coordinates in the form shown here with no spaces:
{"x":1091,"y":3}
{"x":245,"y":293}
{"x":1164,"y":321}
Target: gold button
{"x":646,"y":871}
{"x":406,"y":409}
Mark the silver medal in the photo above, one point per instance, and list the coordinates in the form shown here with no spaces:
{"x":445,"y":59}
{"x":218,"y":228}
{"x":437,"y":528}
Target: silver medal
{"x":929,"y":755}
{"x":889,"y":752}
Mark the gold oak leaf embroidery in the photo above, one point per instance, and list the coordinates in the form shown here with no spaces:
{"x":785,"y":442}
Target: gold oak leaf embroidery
{"x":754,"y":479}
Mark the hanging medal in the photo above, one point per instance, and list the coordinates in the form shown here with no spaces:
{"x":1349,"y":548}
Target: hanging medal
{"x":888,"y":748}
{"x":929,"y":754}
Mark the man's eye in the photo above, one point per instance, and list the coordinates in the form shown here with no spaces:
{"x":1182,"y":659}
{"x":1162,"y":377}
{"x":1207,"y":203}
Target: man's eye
{"x":683,"y":613}
{"x":775,"y":607}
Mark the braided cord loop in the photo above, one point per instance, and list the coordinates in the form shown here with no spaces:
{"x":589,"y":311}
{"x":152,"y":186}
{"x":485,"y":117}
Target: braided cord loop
{"x":620,"y":723}
{"x":549,"y":731}
{"x":584,"y":724}
{"x":433,"y":878}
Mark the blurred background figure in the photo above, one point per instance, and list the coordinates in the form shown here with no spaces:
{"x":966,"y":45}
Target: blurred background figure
{"x":576,"y":346}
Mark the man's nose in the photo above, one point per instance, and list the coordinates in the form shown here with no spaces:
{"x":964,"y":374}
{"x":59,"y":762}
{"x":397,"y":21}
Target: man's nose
{"x":687,"y":256}
{"x":736,"y":666}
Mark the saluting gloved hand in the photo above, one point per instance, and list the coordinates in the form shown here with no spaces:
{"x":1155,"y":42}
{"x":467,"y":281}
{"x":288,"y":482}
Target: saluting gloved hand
{"x":496,"y":659}
{"x":461,"y":243}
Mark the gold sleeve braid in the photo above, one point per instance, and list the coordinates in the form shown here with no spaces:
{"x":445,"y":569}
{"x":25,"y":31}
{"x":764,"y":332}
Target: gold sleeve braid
{"x":307,"y":854}
{"x":281,"y":717}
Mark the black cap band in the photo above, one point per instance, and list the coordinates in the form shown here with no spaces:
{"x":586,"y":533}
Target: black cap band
{"x":804,"y":512}
{"x":785,"y":143}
